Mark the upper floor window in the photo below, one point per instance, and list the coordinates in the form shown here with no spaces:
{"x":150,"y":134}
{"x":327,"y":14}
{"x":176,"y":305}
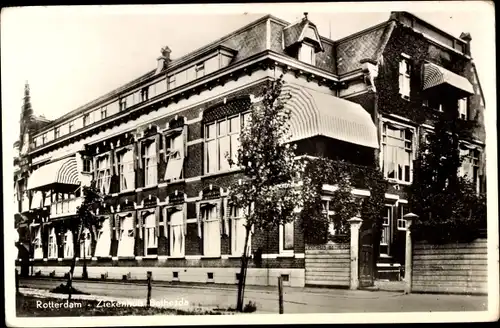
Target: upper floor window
{"x":104,"y":112}
{"x":57,"y":132}
{"x":397,"y":152}
{"x":171,"y":82}
{"x":433,"y":104}
{"x":122,"y":103}
{"x":125,"y":166}
{"x":150,"y":163}
{"x":462,"y":109}
{"x":52,"y":244}
{"x":44,"y":138}
{"x":86,"y":119}
{"x":103,"y":174}
{"x":145,"y":94}
{"x":87,"y":165}
{"x":404,"y":78}
{"x":200,"y":70}
{"x":307,"y":54}
{"x":221,"y":140}
{"x":174,"y":156}
{"x":71,"y":126}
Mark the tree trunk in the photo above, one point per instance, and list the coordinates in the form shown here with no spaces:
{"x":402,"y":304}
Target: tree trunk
{"x":243,"y":270}
{"x":73,"y":263}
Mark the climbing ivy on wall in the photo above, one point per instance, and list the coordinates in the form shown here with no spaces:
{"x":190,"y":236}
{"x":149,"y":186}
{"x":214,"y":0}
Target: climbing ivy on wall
{"x":345,"y":177}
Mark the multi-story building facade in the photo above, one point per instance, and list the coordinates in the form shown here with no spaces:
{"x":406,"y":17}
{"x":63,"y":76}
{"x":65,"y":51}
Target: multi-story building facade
{"x":156,"y":146}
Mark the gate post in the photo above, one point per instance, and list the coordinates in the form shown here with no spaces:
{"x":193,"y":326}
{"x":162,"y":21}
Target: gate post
{"x":408,"y":252}
{"x":355,"y":225}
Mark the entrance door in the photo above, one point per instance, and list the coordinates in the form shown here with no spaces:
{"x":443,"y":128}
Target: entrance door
{"x":366,"y":258}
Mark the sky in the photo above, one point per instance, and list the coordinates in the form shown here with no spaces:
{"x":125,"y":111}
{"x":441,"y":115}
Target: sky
{"x":73,"y":55}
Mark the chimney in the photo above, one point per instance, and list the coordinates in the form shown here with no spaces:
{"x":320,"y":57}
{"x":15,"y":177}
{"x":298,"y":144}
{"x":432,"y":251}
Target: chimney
{"x":467,"y":38}
{"x":163,"y":60}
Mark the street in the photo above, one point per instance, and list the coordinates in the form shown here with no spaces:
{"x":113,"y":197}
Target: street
{"x":296,"y":300}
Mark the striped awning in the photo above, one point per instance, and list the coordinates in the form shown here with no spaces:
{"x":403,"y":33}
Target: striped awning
{"x":60,"y":172}
{"x":435,"y":75}
{"x":314,"y":113}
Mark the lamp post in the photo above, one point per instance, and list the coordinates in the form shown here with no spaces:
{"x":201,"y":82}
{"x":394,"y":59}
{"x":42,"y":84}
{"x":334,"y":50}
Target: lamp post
{"x":408,"y":255}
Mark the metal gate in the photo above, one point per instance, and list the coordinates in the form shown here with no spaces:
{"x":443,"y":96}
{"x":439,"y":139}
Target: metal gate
{"x":366,"y":258}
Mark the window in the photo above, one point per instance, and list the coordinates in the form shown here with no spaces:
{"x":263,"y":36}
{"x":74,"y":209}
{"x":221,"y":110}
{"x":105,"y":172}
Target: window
{"x":403,"y":210}
{"x":85,"y":244}
{"x":221,"y":139}
{"x":37,"y":243}
{"x":122,"y":104}
{"x":44,"y":138}
{"x":307,"y":54}
{"x":470,"y":163}
{"x":397,"y":152}
{"x":87,"y":165}
{"x":238,"y":231}
{"x":125,"y":166}
{"x":103,"y":245}
{"x":150,"y":163}
{"x":286,"y":237}
{"x":151,"y":235}
{"x":126,"y":237}
{"x":52,"y":244}
{"x":104,"y":112}
{"x":103,"y":174}
{"x":171,"y":82}
{"x":462,"y":108}
{"x":71,"y":126}
{"x":404,"y":78}
{"x":200,"y":70}
{"x":86,"y":119}
{"x":174,"y":157}
{"x":145,"y":94}
{"x":386,"y":229}
{"x":211,"y":230}
{"x":333,"y":228}
{"x":177,"y":233}
{"x":57,"y":132}
{"x":68,"y":244}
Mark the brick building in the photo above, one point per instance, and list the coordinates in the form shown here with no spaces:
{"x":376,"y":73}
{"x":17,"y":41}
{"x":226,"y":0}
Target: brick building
{"x":156,"y":145}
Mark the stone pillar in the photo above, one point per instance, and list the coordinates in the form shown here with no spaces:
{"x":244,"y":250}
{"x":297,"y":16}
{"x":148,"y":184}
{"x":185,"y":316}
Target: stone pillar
{"x":355,"y":225}
{"x":408,"y":255}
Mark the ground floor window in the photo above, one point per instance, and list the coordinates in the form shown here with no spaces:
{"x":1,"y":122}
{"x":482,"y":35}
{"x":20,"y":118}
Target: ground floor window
{"x":52,"y":244}
{"x":68,"y":244}
{"x":403,"y":210}
{"x":151,"y":235}
{"x":37,"y":243}
{"x":126,"y":239}
{"x":103,"y":246}
{"x":177,"y":233}
{"x":286,"y":236}
{"x":385,"y":238}
{"x":211,"y":230}
{"x":85,"y":244}
{"x":238,"y":231}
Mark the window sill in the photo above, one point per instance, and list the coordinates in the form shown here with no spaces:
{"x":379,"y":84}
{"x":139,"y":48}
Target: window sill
{"x":150,"y":257}
{"x":176,"y":257}
{"x":124,"y":192}
{"x":126,"y":258}
{"x":149,"y":187}
{"x":286,"y":254}
{"x":406,"y":183}
{"x":209,"y":175}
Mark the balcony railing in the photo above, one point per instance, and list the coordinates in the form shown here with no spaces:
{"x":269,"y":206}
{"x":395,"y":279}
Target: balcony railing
{"x":65,"y":207}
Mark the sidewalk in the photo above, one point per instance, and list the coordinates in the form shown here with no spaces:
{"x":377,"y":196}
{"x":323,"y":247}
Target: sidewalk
{"x":296,"y":300}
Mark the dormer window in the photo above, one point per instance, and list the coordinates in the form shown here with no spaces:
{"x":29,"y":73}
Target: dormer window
{"x":123,"y":104}
{"x":302,"y":41}
{"x":307,"y":54}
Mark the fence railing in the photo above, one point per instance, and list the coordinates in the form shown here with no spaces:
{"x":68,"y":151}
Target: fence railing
{"x":65,"y":207}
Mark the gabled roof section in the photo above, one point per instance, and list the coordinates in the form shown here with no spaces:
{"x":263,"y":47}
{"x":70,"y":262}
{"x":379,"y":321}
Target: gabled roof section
{"x":300,"y":31}
{"x":367,"y":44}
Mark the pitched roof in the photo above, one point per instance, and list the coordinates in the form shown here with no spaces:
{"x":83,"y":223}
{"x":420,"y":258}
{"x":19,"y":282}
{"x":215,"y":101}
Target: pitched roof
{"x":367,"y":44}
